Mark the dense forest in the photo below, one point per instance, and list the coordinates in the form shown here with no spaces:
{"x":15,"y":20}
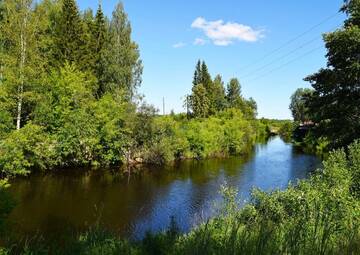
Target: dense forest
{"x":69,"y":98}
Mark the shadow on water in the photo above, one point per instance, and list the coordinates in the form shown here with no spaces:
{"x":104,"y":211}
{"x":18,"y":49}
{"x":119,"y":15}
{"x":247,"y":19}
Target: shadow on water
{"x":67,"y":202}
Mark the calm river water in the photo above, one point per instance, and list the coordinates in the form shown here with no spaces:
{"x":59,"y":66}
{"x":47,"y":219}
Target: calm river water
{"x":71,"y":201}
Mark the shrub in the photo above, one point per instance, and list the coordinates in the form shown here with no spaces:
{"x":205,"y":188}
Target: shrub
{"x":29,"y":147}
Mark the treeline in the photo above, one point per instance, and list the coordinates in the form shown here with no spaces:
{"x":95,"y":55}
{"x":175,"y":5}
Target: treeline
{"x":209,"y":96}
{"x":68,"y":96}
{"x":333,"y":103}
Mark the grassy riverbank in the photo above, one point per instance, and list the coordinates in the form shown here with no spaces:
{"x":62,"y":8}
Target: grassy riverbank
{"x":320,"y":215}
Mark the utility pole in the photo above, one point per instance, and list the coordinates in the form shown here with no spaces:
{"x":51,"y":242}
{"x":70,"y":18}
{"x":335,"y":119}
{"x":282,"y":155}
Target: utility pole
{"x":187,"y":106}
{"x":163,"y":105}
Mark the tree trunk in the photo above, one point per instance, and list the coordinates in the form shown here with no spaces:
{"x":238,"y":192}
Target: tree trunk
{"x":22,"y":65}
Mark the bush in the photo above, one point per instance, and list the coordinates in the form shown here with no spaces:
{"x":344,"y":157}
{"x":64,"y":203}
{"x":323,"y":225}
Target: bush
{"x":171,"y":137}
{"x":24,"y":149}
{"x":287,"y":129}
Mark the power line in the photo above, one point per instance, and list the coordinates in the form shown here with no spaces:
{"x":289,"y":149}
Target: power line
{"x":249,"y":74}
{"x":285,"y":64}
{"x":290,"y":41}
{"x":280,"y":58}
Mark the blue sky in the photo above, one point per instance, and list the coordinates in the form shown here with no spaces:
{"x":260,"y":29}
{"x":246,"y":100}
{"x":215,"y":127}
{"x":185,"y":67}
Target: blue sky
{"x":232,"y":36}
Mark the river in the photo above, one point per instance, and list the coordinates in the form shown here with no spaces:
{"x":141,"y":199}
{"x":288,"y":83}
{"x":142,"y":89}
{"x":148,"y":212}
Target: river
{"x":51,"y":205}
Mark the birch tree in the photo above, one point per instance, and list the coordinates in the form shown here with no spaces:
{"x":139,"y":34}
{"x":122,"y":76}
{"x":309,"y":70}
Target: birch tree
{"x":18,"y":31}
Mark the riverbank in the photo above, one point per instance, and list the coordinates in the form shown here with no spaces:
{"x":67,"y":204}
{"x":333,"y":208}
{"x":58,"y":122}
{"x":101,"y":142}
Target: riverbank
{"x":152,"y":140}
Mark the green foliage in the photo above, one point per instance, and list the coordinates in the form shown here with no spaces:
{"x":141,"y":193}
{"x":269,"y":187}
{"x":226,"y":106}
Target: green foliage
{"x":298,"y":106}
{"x":233,"y":94}
{"x":317,"y":216}
{"x":219,"y":98}
{"x":112,"y":114}
{"x":99,"y":39}
{"x":286,"y":130}
{"x":72,"y":77}
{"x":336,"y":99}
{"x":29,"y":147}
{"x":20,"y":61}
{"x":197,"y":74}
{"x":354,"y":155}
{"x":209,"y":98}
{"x":226,"y":133}
{"x":6,"y":124}
{"x":70,"y":36}
{"x":199,"y":101}
{"x":65,"y":111}
{"x":314,"y":144}
{"x":121,"y":57}
{"x":97,"y":241}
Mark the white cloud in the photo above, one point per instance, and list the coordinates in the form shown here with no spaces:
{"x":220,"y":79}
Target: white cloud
{"x":199,"y":41}
{"x":223,"y":34}
{"x":179,"y":45}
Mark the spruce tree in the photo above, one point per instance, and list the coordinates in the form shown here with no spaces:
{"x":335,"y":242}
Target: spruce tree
{"x":197,"y":74}
{"x":219,"y":97}
{"x":205,"y":77}
{"x":99,"y":38}
{"x":70,"y":41}
{"x":89,"y":28}
{"x":233,"y":95}
{"x":199,"y":102}
{"x":47,"y":14}
{"x":209,"y":87}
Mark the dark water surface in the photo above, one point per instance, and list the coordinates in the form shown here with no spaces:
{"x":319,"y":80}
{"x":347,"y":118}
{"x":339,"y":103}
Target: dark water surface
{"x":53,"y":204}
